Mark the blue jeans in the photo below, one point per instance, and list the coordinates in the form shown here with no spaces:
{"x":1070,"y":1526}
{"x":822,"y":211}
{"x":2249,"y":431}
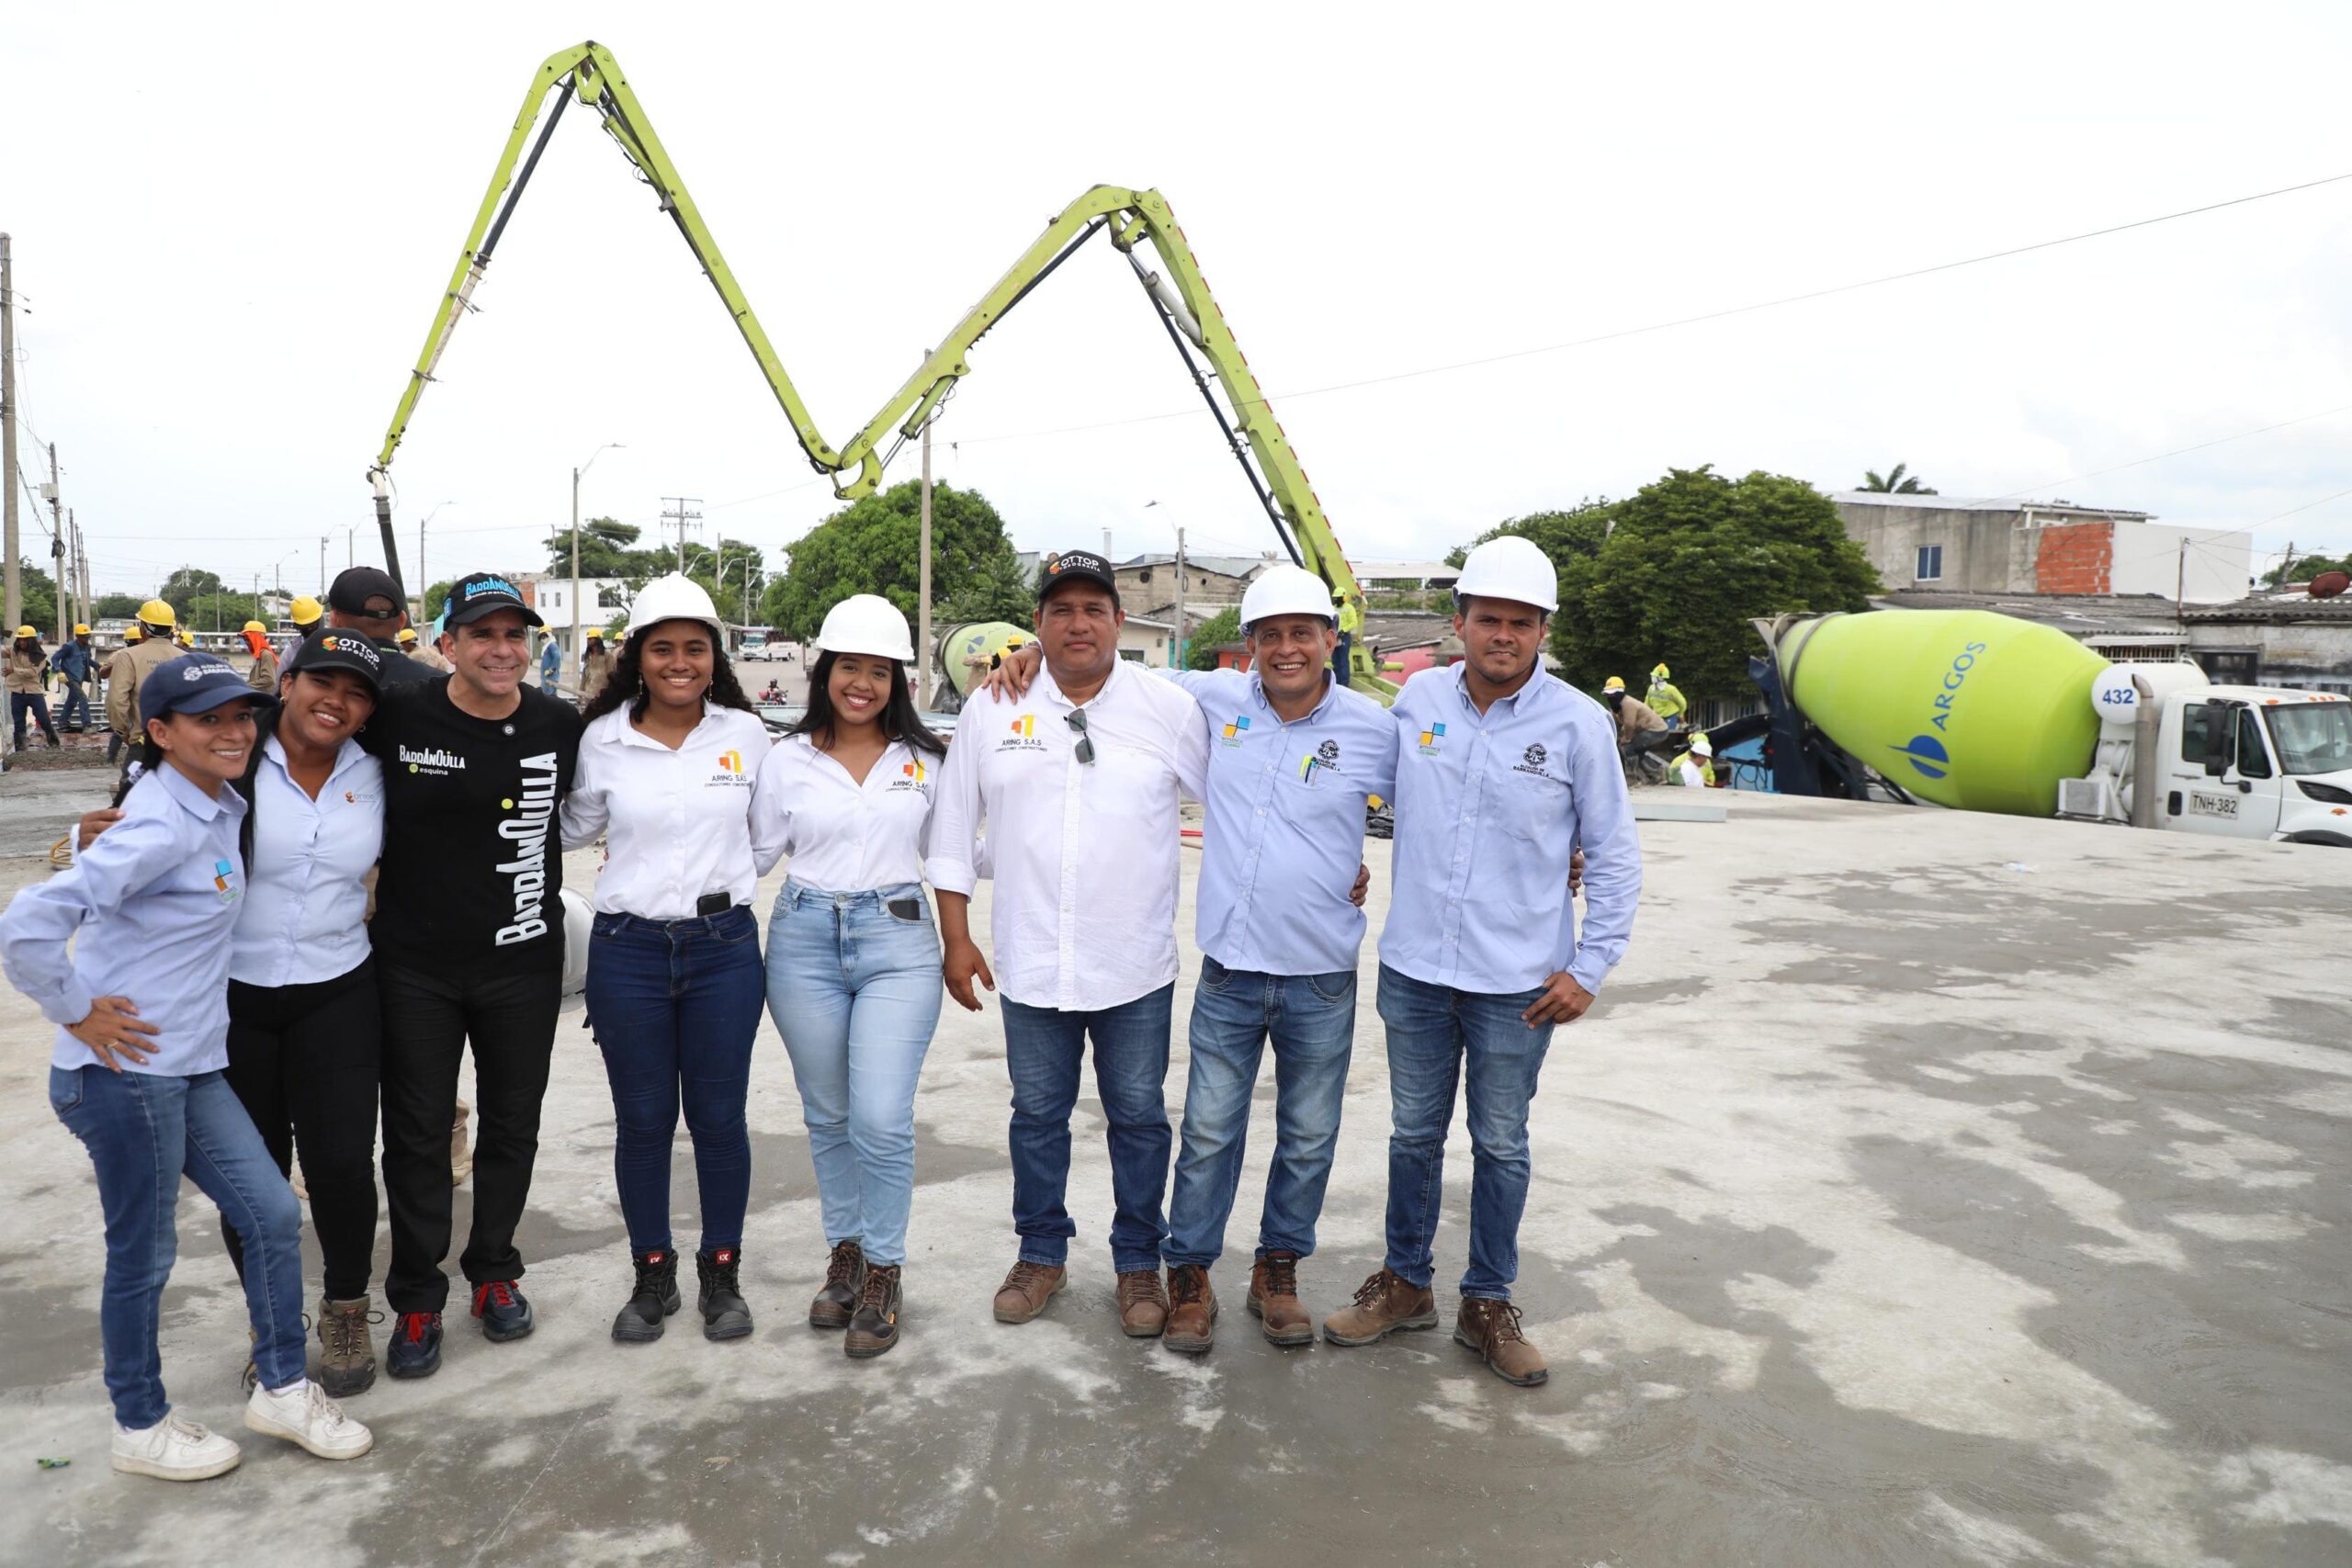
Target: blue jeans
{"x":143,"y":1132}
{"x":1312,"y":1021}
{"x":1043,"y":1050}
{"x":1437,"y":1037}
{"x":854,"y":990}
{"x":75,"y":712}
{"x":675,"y":1004}
{"x":34,"y":704}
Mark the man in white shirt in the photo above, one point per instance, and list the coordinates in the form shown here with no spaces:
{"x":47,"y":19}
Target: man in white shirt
{"x":1077,"y":784}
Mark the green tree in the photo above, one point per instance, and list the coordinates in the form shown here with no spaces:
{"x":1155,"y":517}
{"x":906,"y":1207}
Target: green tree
{"x":1893,"y":482}
{"x":438,"y":595}
{"x":607,"y":548}
{"x":219,"y":612}
{"x":872,"y":546}
{"x":39,"y":602}
{"x":1199,"y":650}
{"x":186,"y":585}
{"x":2303,"y":568}
{"x":116,"y":606}
{"x":1685,"y":563}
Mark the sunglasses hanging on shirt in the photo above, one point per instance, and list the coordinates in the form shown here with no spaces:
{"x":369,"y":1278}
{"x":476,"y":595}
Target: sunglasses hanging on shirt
{"x":1076,"y":719}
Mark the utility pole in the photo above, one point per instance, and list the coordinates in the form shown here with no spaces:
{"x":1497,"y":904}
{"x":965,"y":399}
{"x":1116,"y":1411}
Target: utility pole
{"x":922,"y":588}
{"x":56,"y":543}
{"x":681,"y":510}
{"x":322,"y":567}
{"x":1179,"y":661}
{"x":575,"y":649}
{"x":2180,"y":587}
{"x":15,"y":573}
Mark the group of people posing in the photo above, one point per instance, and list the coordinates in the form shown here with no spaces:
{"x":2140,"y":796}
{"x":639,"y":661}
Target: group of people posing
{"x":229,"y":1002}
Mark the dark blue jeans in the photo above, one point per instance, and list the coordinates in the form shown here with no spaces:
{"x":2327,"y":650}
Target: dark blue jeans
{"x":143,"y":1132}
{"x":75,"y":711}
{"x":1438,"y":1037}
{"x":36,"y":703}
{"x":1043,"y":1050}
{"x":675,"y":1004}
{"x":1311,"y":1020}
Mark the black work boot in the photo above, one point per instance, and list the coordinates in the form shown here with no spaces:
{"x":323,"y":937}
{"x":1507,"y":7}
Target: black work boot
{"x":654,"y":1298}
{"x":845,"y":1278}
{"x":874,"y":1328}
{"x":725,"y":1314}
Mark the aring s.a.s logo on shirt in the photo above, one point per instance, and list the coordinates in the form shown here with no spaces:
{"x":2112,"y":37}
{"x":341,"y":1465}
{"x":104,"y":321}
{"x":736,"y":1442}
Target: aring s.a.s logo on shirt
{"x":1022,"y":736}
{"x":912,"y":776}
{"x":729,"y":773}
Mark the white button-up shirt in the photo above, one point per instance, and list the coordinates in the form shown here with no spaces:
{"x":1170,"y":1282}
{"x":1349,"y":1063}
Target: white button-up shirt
{"x":1084,"y":855}
{"x":1489,"y":809}
{"x":844,"y":837}
{"x":677,"y":824}
{"x":305,"y":915}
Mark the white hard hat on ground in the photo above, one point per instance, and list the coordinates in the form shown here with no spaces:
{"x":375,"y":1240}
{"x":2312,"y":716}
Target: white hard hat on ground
{"x":1513,"y":567}
{"x":1286,"y":591}
{"x":674,"y":598}
{"x":869,"y":624}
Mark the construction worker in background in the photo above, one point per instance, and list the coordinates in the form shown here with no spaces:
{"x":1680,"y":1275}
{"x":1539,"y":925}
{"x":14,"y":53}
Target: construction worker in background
{"x":264,"y":675}
{"x":28,"y":686}
{"x":132,"y":665}
{"x":1351,"y":623}
{"x":1695,"y":767}
{"x":430,"y":657}
{"x":1666,"y":702}
{"x":78,"y":662}
{"x":185,"y":638}
{"x":1503,"y":771}
{"x":308,"y":615}
{"x":550,"y":666}
{"x":595,"y":665}
{"x":366,"y":599}
{"x":1634,"y":717}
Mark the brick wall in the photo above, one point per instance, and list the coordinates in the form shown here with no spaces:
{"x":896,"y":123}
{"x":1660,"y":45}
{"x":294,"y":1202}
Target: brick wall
{"x":2075,"y":558}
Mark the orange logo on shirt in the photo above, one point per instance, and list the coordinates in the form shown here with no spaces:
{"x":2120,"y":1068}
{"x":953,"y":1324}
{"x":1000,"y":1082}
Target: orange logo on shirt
{"x":732,"y":761}
{"x":913,"y":771}
{"x":1027,"y":724}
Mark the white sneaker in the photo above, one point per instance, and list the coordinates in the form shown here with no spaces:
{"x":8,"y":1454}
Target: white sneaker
{"x":174,"y":1449}
{"x":305,"y":1416}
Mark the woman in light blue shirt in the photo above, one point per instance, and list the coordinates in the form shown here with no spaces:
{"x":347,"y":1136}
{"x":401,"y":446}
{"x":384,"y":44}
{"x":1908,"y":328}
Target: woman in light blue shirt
{"x":137,"y":1069}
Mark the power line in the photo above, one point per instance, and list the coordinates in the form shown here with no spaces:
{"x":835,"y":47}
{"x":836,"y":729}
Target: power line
{"x":2176,"y":452}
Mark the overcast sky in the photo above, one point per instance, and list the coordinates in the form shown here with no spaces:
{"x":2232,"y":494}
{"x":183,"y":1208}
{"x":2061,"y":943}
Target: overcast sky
{"x":232,"y":223}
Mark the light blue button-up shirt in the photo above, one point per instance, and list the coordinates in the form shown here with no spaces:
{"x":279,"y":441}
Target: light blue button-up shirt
{"x":1286,"y":807}
{"x":305,"y":916}
{"x":154,"y":898}
{"x":1489,"y":808}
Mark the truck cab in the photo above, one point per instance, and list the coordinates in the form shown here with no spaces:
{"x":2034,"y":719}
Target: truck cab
{"x":2255,"y":762}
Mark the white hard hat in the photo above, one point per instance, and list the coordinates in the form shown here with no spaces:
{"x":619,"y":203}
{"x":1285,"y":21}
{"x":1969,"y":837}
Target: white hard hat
{"x":867,"y":623}
{"x":674,"y":598}
{"x":1510,"y":566}
{"x":1702,"y":745}
{"x":1286,"y":591}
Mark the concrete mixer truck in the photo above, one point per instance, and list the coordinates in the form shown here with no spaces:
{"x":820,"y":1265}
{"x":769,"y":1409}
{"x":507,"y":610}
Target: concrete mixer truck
{"x":1984,"y":712}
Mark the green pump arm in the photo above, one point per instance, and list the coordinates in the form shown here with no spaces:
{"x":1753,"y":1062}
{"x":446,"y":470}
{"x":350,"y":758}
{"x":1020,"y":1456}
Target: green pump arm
{"x":1180,"y":294}
{"x":589,"y":73}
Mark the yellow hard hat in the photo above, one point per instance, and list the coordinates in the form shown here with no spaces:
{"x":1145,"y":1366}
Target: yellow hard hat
{"x":256,"y":626}
{"x":133,"y":633}
{"x":187,"y":639}
{"x":407,"y":634}
{"x":1614,"y":684}
{"x":596,"y":631}
{"x":155,"y":613}
{"x":27,"y":631}
{"x":1660,"y":673}
{"x":80,"y":629}
{"x":306,"y":612}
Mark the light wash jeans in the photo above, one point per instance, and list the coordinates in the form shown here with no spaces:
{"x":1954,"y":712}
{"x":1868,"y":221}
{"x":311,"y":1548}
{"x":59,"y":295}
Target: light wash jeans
{"x":854,"y":990}
{"x":1311,"y":1020}
{"x":143,"y":1132}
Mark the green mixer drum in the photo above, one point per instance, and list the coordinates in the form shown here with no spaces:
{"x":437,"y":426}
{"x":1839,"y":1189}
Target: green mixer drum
{"x":1964,"y":707}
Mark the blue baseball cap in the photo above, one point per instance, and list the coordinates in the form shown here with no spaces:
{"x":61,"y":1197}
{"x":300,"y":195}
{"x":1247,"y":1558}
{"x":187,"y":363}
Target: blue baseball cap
{"x":194,"y":683}
{"x":479,"y":593}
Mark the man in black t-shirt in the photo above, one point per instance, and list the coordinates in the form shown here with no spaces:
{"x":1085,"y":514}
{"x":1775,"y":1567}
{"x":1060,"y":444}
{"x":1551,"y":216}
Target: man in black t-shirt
{"x":365,"y":600}
{"x":469,"y":943}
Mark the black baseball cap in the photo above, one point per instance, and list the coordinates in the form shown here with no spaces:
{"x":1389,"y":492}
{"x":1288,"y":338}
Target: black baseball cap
{"x":336,"y":649}
{"x":478,"y":593}
{"x":194,"y":683}
{"x":1076,"y":565}
{"x":354,"y":587}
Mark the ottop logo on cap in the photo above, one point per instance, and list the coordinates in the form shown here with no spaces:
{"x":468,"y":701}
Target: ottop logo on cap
{"x":358,"y":647}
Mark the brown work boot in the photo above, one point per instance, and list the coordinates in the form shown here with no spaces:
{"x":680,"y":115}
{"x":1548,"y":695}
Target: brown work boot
{"x":1192,"y":1310}
{"x":845,"y":1280}
{"x":874,"y":1328}
{"x":347,"y":1359}
{"x":1026,"y":1290}
{"x":1143,"y":1304}
{"x":1273,"y":1299}
{"x":1491,"y":1328}
{"x":1384,"y":1304}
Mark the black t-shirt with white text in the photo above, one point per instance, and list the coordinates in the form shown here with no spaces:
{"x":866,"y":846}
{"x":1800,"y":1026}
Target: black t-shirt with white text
{"x":473,"y":851}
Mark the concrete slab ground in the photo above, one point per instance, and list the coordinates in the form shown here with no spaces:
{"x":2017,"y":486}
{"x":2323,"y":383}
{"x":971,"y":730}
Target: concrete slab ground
{"x":1926,"y":1189}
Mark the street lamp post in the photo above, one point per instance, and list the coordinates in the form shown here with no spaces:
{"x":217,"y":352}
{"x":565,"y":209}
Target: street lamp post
{"x":422,"y":592}
{"x":582,"y":469}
